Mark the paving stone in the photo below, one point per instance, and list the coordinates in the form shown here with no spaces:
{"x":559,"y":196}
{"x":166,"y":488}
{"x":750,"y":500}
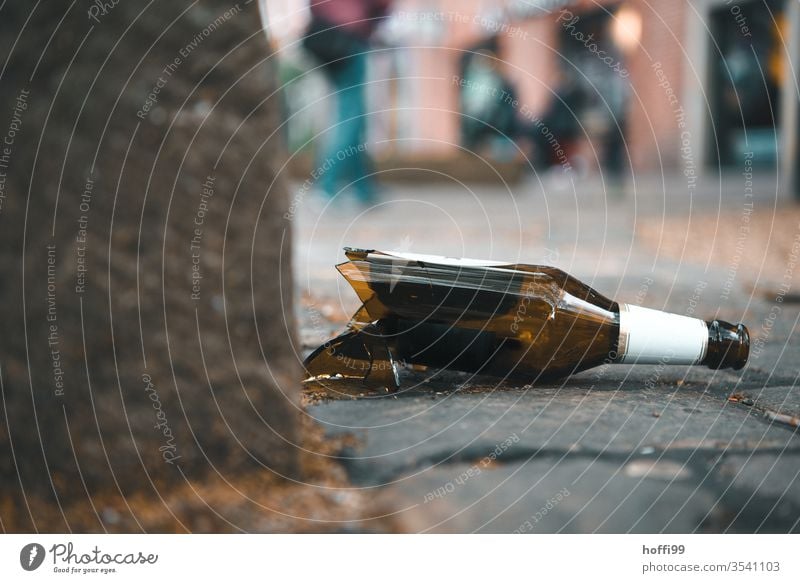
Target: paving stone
{"x":760,"y":493}
{"x":782,"y":400}
{"x":412,"y":431}
{"x":573,"y":494}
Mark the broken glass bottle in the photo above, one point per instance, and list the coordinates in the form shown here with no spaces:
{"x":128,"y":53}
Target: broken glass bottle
{"x":512,"y":321}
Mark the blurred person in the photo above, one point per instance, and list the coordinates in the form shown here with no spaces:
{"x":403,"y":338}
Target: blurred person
{"x":339,"y":37}
{"x":491,"y":111}
{"x":613,"y":95}
{"x":560,"y":119}
{"x":486,"y":101}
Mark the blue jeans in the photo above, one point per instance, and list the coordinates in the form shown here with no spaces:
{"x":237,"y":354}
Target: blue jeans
{"x":344,"y":157}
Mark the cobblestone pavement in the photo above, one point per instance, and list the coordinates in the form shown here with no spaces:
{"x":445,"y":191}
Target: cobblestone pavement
{"x":641,"y":449}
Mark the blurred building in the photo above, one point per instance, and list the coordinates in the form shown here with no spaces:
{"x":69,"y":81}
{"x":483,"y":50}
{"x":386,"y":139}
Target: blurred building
{"x":694,"y":87}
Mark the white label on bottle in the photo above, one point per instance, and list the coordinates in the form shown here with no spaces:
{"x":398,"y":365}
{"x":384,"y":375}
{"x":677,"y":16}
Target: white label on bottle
{"x":654,"y":337}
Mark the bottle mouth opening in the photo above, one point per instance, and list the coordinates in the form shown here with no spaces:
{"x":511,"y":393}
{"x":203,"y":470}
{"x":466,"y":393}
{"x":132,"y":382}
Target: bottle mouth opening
{"x":744,"y":347}
{"x":728,"y":345}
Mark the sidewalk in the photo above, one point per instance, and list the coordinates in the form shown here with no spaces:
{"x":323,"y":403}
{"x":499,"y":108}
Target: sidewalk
{"x":644,"y":449}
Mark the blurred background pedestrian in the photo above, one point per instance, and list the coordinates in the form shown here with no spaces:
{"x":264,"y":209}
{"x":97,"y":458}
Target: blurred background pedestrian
{"x":338,"y":36}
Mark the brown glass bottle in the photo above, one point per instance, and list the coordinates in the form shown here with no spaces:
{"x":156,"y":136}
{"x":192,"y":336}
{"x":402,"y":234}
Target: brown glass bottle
{"x":525,"y":322}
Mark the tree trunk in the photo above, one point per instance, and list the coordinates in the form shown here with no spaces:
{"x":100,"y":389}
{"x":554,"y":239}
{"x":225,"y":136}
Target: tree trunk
{"x":146,"y":291}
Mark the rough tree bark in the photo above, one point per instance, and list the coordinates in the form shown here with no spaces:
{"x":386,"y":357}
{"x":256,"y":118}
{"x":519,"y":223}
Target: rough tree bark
{"x":145,"y":297}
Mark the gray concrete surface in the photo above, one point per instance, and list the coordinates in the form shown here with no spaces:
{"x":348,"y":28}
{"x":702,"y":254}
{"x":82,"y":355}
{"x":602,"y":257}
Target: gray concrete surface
{"x":616,"y":449}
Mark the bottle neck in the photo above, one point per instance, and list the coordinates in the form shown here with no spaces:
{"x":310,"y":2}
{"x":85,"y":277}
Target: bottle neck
{"x":653,"y":337}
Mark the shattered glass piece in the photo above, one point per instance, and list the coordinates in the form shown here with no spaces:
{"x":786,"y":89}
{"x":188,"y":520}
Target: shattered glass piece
{"x":468,"y":315}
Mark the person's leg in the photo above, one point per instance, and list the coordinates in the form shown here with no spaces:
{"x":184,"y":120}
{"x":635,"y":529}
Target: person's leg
{"x":328,"y":140}
{"x":327,"y":162}
{"x":535,"y":131}
{"x":345,"y":133}
{"x":614,"y":161}
{"x":353,"y":160}
{"x":614,"y":152}
{"x":347,"y":78}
